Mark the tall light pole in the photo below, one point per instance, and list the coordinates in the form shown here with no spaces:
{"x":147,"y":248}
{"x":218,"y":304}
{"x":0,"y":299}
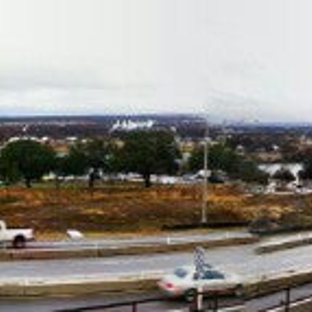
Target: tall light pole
{"x":205,"y":181}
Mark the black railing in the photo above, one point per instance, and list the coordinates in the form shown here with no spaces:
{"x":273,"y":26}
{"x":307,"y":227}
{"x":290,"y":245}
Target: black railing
{"x":133,"y":304}
{"x":212,"y":303}
{"x":287,"y":301}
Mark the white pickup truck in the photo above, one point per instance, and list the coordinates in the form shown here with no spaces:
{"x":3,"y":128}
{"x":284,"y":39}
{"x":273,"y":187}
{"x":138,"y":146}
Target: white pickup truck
{"x":16,"y":237}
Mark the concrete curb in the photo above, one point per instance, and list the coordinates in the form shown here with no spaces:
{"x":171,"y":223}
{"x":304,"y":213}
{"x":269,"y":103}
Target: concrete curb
{"x":239,"y":308}
{"x":276,"y":282}
{"x":94,"y":252}
{"x":45,"y":288}
{"x":272,"y":247}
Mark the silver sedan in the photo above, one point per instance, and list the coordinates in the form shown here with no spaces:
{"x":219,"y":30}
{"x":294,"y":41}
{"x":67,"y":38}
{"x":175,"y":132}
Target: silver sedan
{"x":186,"y":282}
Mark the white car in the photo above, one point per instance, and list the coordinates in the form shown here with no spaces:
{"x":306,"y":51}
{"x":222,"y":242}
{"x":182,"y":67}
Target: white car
{"x":184,"y":282}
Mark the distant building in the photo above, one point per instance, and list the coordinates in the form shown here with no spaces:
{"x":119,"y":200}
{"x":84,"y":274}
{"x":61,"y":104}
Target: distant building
{"x":129,"y":125}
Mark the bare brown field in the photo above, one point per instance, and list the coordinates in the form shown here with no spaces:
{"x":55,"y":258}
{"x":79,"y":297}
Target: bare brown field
{"x":134,"y":209}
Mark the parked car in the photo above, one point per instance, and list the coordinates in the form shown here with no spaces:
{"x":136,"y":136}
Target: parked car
{"x":184,"y":282}
{"x":16,"y":237}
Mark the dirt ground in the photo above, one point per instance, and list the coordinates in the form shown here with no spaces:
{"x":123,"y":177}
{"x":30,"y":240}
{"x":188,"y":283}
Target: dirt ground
{"x":129,"y":208}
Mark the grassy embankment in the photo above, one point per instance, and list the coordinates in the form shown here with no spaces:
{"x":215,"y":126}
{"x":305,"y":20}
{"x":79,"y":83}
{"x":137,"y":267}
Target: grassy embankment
{"x":133,"y":209}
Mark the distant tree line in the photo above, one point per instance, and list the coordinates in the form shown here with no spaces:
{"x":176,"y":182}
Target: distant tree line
{"x":145,"y":152}
{"x":223,"y":158}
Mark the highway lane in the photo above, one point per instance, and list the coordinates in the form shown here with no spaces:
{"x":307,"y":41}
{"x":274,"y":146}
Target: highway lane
{"x":112,"y":267}
{"x":239,"y":259}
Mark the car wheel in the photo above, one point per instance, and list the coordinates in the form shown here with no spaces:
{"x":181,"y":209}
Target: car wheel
{"x":239,"y":290}
{"x":190,"y":295}
{"x":19,"y":242}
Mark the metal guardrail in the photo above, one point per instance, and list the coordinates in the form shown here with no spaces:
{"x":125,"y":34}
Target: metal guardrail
{"x":133,"y":304}
{"x":287,"y":302}
{"x":212,"y":303}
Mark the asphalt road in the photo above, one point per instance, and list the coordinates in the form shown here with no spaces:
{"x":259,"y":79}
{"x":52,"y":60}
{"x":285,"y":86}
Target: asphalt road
{"x":127,"y":265}
{"x":238,"y":259}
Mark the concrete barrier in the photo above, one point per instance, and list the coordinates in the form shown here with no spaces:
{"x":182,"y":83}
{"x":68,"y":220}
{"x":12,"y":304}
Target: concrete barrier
{"x":132,"y":283}
{"x":98,"y":251}
{"x":276,"y":282}
{"x":271,"y":247}
{"x":41,"y":287}
{"x":239,"y":308}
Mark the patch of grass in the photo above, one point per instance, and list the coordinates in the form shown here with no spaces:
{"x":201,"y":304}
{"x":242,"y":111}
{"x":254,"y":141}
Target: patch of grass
{"x":9,"y":199}
{"x":132,"y":208}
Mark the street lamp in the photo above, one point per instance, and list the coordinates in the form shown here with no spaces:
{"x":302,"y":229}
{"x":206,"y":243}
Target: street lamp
{"x":205,"y":181}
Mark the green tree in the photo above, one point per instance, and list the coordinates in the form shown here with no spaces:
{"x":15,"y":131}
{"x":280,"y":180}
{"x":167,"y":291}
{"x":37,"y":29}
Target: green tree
{"x":284,"y":175}
{"x":221,"y":157}
{"x":306,"y":172}
{"x":87,"y":158}
{"x":98,"y":154}
{"x":26,"y":159}
{"x":9,"y":172}
{"x":74,"y":163}
{"x":248,"y":171}
{"x":148,"y":152}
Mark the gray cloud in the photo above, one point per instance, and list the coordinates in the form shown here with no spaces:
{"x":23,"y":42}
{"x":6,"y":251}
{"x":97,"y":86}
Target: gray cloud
{"x":238,"y":59}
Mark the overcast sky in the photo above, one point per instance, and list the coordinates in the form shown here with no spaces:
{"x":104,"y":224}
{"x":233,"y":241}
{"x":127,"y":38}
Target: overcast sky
{"x":235,"y":59}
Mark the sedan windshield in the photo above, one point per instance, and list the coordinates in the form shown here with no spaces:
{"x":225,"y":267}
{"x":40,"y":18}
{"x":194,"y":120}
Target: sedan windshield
{"x":213,"y":275}
{"x":180,"y":272}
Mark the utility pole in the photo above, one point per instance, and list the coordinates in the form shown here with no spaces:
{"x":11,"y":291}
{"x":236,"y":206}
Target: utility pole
{"x":205,"y":181}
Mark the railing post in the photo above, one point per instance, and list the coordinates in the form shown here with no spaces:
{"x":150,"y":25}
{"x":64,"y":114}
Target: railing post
{"x":197,"y":302}
{"x":193,"y":304}
{"x":134,"y":307}
{"x":199,"y":299}
{"x":215,"y":303}
{"x":287,"y":301}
